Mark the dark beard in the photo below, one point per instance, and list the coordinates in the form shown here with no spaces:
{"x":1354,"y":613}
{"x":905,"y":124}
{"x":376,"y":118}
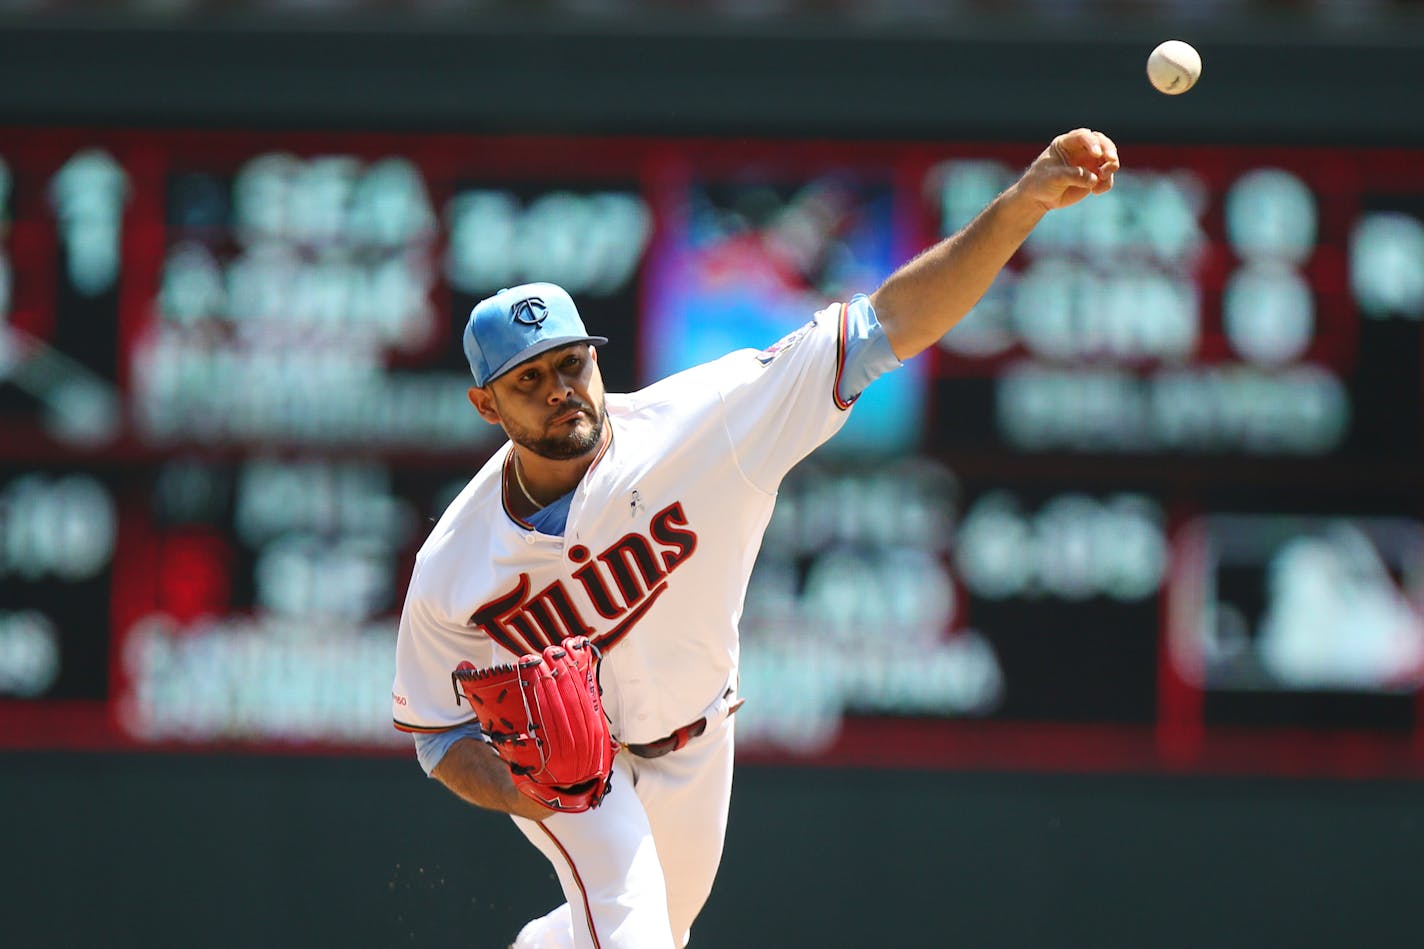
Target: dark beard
{"x":563,"y":447}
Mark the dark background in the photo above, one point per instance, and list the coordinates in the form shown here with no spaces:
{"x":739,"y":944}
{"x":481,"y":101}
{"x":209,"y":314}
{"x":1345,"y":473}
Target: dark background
{"x":210,"y":851}
{"x":149,"y":849}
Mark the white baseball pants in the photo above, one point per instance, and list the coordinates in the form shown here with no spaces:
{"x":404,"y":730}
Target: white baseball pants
{"x":637,"y":869}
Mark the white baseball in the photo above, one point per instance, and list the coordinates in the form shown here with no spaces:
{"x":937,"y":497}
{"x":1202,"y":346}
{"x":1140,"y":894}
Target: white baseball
{"x":1174,"y":67}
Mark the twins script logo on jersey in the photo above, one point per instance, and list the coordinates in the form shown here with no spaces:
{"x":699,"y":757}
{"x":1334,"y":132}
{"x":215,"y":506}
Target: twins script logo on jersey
{"x":620,"y":583}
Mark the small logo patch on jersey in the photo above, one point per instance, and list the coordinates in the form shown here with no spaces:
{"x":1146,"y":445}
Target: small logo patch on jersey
{"x":766,"y":356}
{"x":530,"y":311}
{"x":635,"y":504}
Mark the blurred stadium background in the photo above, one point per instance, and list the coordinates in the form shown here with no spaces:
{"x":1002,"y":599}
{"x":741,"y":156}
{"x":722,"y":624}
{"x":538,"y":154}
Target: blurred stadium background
{"x":1116,"y":599}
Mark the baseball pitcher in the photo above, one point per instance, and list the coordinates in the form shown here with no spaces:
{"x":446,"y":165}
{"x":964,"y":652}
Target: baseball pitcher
{"x":568,"y":647}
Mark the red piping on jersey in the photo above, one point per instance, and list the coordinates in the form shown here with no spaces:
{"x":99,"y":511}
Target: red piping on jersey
{"x":578,"y":880}
{"x":425,"y":729}
{"x":504,"y":478}
{"x":604,"y":450}
{"x":842,"y":404}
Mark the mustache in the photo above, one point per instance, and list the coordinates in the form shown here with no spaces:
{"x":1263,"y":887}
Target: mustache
{"x":572,"y":405}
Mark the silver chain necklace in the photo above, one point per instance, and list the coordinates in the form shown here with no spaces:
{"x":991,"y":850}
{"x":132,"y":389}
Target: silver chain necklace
{"x":519,"y":480}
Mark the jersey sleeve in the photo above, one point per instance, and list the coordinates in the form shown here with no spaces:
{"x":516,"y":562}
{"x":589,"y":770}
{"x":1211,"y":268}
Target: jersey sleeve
{"x":785,"y":401}
{"x":428,"y":649}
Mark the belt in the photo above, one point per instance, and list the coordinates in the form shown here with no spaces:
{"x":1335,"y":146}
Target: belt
{"x":679,"y":738}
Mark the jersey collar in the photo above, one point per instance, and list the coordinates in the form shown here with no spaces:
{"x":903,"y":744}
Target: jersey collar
{"x":506,"y":475}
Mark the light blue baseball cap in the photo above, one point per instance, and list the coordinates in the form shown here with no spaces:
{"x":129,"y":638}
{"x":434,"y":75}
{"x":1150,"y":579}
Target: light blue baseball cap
{"x":519,"y":323}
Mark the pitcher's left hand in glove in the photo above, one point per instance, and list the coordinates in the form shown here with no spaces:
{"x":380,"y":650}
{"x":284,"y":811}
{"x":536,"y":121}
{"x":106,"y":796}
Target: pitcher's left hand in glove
{"x":545,"y":718}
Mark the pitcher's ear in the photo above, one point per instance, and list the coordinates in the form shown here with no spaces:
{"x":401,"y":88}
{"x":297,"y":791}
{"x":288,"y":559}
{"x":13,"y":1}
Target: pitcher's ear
{"x":484,"y":402}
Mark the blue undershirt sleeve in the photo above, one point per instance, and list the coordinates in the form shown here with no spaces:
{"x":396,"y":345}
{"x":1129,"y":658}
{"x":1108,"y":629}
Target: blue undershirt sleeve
{"x":868,"y":355}
{"x":430,"y":747}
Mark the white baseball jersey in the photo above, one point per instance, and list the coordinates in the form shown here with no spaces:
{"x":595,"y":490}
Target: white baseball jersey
{"x":659,"y":544}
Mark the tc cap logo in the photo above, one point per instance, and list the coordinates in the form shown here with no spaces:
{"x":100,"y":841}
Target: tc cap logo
{"x":530,"y":311}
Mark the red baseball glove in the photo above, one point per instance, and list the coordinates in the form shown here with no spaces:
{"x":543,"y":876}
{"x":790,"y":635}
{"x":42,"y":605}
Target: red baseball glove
{"x":545,"y":718}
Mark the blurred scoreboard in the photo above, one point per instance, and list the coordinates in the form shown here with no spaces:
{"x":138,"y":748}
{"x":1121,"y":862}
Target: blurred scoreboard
{"x":1157,"y":502}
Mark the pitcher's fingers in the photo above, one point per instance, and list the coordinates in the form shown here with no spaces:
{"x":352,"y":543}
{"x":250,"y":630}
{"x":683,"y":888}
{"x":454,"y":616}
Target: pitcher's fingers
{"x":1079,"y":147}
{"x":1111,"y":161}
